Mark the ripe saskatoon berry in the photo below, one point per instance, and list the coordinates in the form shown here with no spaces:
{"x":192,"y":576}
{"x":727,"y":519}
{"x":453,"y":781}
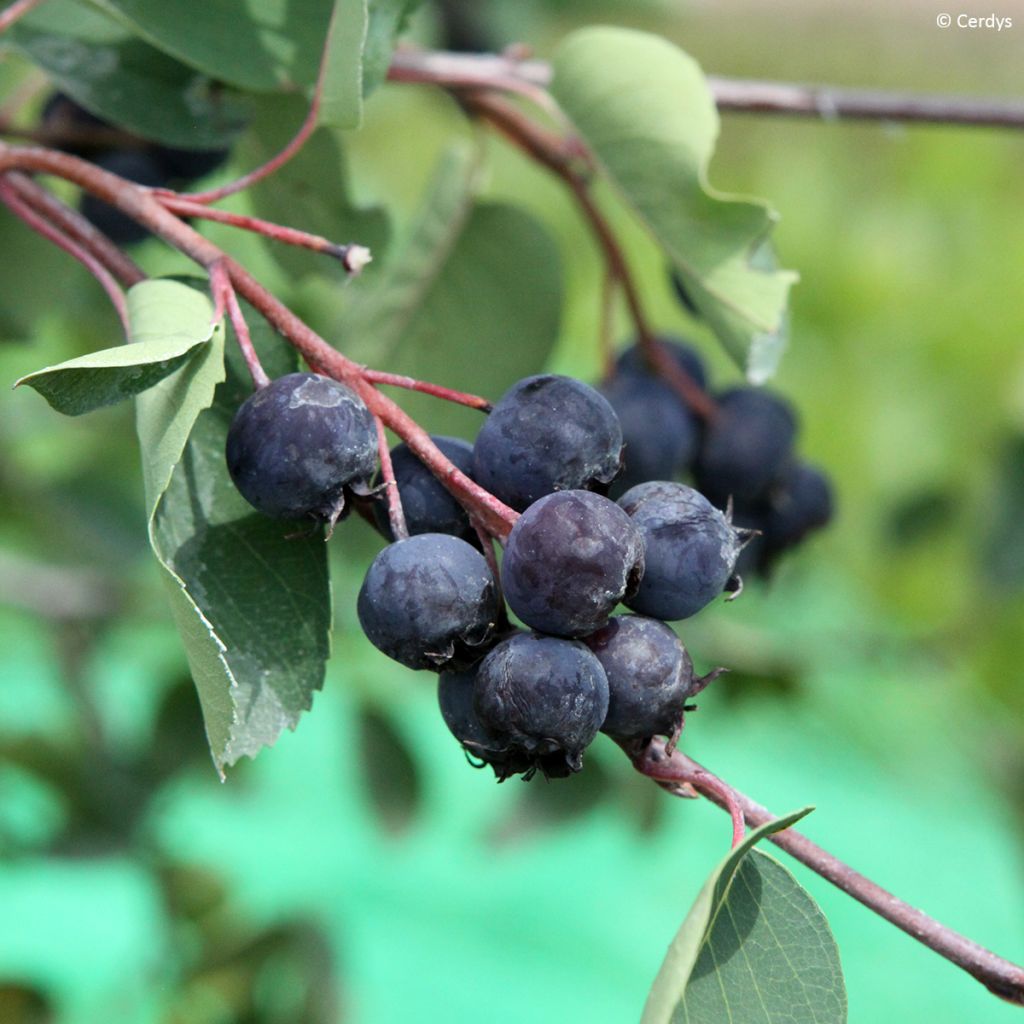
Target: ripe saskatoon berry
{"x":455,"y":697}
{"x":569,"y":560}
{"x":547,"y":433}
{"x":690,"y":552}
{"x":650,"y":676}
{"x":660,"y":434}
{"x":428,"y":506}
{"x":296,"y":446}
{"x":746,"y":446}
{"x":633,"y":360}
{"x":135,"y":165}
{"x":429,"y":602}
{"x":549,"y":696}
{"x":801,"y":502}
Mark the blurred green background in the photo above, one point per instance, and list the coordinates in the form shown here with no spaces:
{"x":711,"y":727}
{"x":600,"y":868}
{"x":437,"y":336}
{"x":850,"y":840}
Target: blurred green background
{"x":360,"y":871}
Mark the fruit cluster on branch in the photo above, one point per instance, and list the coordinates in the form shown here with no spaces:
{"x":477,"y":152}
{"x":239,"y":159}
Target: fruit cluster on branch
{"x":532,"y":659}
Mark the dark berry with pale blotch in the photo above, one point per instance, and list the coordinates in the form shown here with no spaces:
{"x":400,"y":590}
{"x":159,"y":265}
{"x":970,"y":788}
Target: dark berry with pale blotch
{"x":690,"y":552}
{"x":481,"y":744}
{"x":549,"y":696}
{"x":429,"y":602}
{"x":297,"y":445}
{"x":650,"y":675}
{"x":633,"y":360}
{"x":547,"y":433}
{"x":746,"y":445}
{"x":660,"y":435}
{"x":569,"y":560}
{"x":428,"y":506}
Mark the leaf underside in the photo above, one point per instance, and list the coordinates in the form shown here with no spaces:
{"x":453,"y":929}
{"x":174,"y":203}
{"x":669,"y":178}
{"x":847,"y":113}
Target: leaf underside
{"x":644,"y":108}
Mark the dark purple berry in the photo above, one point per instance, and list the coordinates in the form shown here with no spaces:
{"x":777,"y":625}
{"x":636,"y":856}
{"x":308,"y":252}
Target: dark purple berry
{"x":633,"y":360}
{"x":547,"y":433}
{"x":296,"y":446}
{"x":429,"y":602}
{"x":481,"y":744}
{"x":659,"y":432}
{"x":801,"y":502}
{"x":690,"y":552}
{"x":428,"y":506}
{"x":569,"y":560}
{"x":746,"y":445}
{"x":650,"y":676}
{"x":549,"y":696}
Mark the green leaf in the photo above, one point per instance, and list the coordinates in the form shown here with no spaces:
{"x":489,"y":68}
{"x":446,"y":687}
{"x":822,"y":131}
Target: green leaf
{"x":174,"y":328}
{"x":472,"y":299}
{"x":387,"y":21}
{"x":121,"y":78}
{"x":644,"y":108}
{"x":341,"y":102}
{"x":754,"y":949}
{"x":311,"y":191}
{"x":251,"y":603}
{"x":260,"y":45}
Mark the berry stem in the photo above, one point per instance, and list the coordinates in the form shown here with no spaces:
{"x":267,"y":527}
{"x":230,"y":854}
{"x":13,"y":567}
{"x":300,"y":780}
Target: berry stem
{"x":55,"y":234}
{"x":999,"y":976}
{"x":225,"y":299}
{"x":352,"y":257}
{"x":437,"y":390}
{"x":12,"y":13}
{"x":396,"y":514}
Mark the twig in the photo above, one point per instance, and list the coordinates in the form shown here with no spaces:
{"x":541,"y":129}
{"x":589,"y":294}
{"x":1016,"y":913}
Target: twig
{"x":9,"y":15}
{"x":225,"y":300}
{"x":308,"y":126}
{"x":143,"y":206}
{"x":52,"y":233}
{"x":1003,"y":978}
{"x":437,"y":390}
{"x":396,"y":514}
{"x":352,"y":257}
{"x":487,"y":71}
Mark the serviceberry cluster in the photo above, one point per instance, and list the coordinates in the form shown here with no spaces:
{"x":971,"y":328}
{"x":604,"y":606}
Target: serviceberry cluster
{"x":532,"y":699}
{"x":75,"y":130}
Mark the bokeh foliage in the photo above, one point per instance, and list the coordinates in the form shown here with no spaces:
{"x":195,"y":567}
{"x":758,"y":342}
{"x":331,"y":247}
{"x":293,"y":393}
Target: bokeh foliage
{"x":360,"y":870}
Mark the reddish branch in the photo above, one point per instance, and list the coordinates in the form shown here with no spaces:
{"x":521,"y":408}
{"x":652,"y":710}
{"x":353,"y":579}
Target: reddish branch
{"x":412,"y":384}
{"x":1000,"y":976}
{"x":352,"y":257}
{"x":396,"y":514}
{"x":147,"y":209}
